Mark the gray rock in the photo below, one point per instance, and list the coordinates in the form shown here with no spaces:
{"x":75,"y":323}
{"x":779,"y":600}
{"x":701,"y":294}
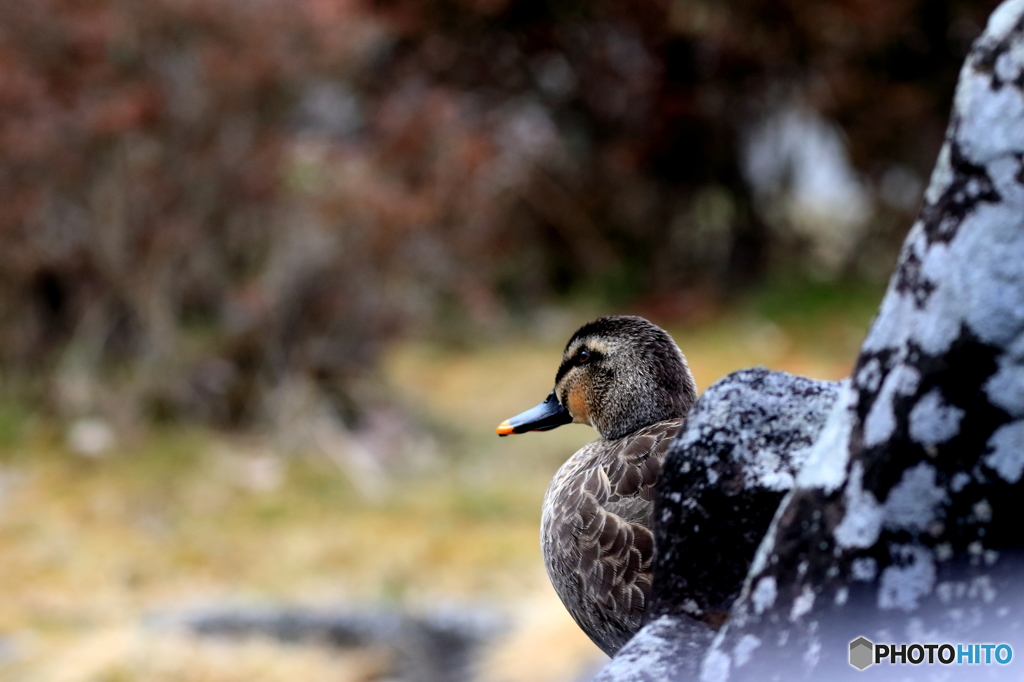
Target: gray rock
{"x":905,"y":525}
{"x":667,"y":648}
{"x":435,"y":646}
{"x":738,"y":454}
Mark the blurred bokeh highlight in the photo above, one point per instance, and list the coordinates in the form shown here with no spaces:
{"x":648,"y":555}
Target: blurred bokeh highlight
{"x":272,"y":270}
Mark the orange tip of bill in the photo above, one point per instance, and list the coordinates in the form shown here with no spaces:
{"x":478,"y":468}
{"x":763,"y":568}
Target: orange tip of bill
{"x":504,"y":428}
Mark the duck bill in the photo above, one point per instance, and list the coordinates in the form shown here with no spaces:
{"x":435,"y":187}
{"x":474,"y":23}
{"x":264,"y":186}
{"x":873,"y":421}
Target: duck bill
{"x":548,"y":415}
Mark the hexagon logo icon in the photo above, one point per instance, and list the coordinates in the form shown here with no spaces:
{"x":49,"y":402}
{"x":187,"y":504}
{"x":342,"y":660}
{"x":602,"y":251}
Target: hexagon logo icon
{"x":861,"y":653}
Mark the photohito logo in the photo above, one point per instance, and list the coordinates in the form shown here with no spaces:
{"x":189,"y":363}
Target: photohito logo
{"x":864,"y":652}
{"x":861,"y":653}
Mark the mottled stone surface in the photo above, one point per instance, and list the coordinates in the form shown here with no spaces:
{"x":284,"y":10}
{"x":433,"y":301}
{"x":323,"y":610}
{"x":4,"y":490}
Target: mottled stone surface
{"x":668,"y":648}
{"x":739,"y":453}
{"x":904,"y":525}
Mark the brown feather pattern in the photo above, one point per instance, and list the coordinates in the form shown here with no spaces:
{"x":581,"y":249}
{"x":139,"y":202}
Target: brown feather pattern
{"x":596,"y":531}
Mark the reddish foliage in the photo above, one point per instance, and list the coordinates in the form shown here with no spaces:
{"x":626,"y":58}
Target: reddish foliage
{"x":292,"y":182}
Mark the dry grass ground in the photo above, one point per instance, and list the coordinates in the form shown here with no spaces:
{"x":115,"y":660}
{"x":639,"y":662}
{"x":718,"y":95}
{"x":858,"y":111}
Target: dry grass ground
{"x":89,"y":547}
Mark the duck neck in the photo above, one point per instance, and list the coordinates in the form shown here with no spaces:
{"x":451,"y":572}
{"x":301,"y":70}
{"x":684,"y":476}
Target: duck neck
{"x":633,"y":412}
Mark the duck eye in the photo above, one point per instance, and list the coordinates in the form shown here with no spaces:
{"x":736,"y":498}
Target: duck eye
{"x":582,"y":356}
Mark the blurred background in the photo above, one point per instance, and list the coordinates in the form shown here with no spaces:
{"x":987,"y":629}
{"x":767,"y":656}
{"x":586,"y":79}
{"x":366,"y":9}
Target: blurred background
{"x":271,"y":271}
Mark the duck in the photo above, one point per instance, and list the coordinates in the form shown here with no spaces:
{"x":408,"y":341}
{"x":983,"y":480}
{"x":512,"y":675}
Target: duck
{"x":625,"y":377}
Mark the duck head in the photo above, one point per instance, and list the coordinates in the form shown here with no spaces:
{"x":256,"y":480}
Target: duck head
{"x":618,"y":374}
